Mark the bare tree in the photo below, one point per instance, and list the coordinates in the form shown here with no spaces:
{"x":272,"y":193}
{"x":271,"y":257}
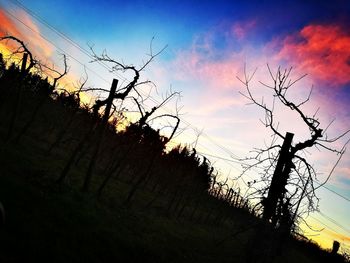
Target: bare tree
{"x":44,"y":95}
{"x":34,"y":65}
{"x":20,"y":50}
{"x":287,"y":176}
{"x":145,"y":118}
{"x":116,"y":94}
{"x":59,"y":75}
{"x":117,"y":66}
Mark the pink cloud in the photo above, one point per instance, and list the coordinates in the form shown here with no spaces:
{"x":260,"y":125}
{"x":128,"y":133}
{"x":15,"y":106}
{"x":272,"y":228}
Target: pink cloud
{"x":241,"y":30}
{"x":322,"y":51}
{"x":220,"y":74}
{"x":203,"y":61}
{"x":41,"y":46}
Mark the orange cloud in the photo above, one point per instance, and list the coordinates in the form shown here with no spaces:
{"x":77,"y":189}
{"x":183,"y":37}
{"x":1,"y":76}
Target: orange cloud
{"x":7,"y":26}
{"x":323,"y":51}
{"x":27,"y":31}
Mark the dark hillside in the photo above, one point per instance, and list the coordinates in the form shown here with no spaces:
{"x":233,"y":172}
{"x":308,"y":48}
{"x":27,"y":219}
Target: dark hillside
{"x":142,"y":204}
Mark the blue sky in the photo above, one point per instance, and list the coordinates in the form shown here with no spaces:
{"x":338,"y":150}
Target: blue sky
{"x":177,"y":21}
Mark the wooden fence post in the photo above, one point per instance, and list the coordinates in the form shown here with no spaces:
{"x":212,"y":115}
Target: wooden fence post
{"x":278,"y":180}
{"x":335,"y":247}
{"x":110,"y":101}
{"x":24,"y":63}
{"x":100,"y":134}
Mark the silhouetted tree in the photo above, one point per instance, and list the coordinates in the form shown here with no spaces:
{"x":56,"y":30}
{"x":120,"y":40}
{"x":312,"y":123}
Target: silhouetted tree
{"x":59,"y":75}
{"x":29,"y":78}
{"x":117,"y":66}
{"x":19,"y":50}
{"x":296,"y":180}
{"x":121,"y":94}
{"x":287,"y":177}
{"x":42,"y":90}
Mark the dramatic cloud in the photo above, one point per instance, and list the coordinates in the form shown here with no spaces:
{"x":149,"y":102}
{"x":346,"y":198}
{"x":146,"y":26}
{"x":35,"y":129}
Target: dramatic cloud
{"x":7,"y":26}
{"x":216,"y":57}
{"x":323,"y":51}
{"x":27,"y":31}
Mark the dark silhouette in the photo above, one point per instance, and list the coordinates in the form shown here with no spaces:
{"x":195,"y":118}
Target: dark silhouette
{"x":335,"y":247}
{"x":154,"y":204}
{"x":284,"y":165}
{"x":2,"y":215}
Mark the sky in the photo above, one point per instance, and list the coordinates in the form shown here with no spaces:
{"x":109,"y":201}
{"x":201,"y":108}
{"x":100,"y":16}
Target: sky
{"x":210,"y":44}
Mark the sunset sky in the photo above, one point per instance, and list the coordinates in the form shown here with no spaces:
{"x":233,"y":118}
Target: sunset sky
{"x":210,"y":43}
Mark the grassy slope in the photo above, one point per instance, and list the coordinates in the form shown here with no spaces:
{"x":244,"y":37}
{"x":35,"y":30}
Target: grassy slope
{"x":55,"y":225}
{"x":47,"y":222}
{"x":60,"y":225}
